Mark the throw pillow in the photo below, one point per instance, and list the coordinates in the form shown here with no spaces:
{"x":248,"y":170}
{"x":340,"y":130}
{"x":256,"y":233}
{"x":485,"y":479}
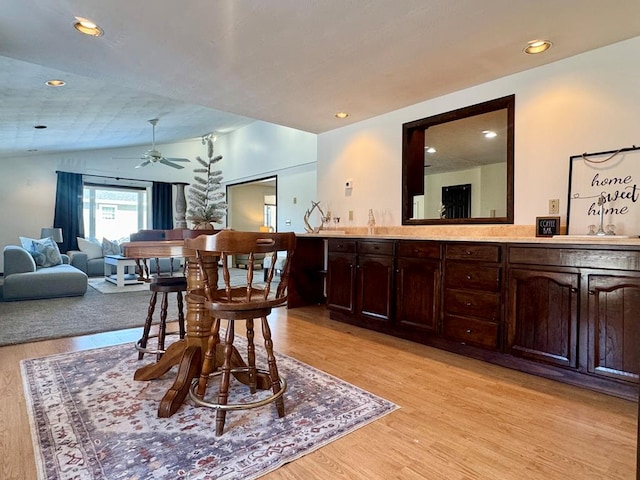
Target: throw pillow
{"x":110,"y":248}
{"x":45,"y":252}
{"x":91,"y":248}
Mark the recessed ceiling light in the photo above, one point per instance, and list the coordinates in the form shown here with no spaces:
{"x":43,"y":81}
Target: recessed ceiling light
{"x":430,"y":149}
{"x":87,"y":27}
{"x":55,"y":83}
{"x":39,"y":127}
{"x":489,"y":134}
{"x":537,"y":46}
{"x":342,"y":115}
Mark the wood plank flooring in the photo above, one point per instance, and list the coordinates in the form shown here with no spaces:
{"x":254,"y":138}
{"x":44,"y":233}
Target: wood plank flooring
{"x":459,"y":418}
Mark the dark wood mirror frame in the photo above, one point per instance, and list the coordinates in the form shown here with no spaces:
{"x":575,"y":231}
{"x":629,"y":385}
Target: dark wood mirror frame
{"x":413,"y":144}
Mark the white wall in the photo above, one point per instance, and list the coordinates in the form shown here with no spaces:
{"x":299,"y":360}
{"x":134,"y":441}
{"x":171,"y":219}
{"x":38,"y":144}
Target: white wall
{"x":588,"y":103}
{"x":264,"y":149}
{"x":27,"y":184}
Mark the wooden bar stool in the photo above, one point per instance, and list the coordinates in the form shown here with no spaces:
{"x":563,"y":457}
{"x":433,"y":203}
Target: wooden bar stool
{"x":164,"y":284}
{"x":247,"y":302}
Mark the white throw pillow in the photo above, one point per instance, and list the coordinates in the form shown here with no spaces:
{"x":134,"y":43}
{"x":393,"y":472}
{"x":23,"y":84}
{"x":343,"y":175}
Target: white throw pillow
{"x":45,"y":252}
{"x":92,"y":249}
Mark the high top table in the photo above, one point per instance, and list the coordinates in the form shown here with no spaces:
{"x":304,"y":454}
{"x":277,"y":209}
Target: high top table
{"x":188,"y":353}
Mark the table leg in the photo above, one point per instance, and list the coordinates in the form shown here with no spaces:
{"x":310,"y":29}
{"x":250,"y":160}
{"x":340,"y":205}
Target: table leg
{"x":120,"y":267}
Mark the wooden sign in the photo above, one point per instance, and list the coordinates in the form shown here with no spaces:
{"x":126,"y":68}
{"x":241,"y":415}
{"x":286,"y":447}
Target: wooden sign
{"x":547,"y":226}
{"x":604,"y":191}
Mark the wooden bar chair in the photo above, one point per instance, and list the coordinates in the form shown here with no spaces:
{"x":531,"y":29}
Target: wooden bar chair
{"x":247,"y":301}
{"x":163,"y":284}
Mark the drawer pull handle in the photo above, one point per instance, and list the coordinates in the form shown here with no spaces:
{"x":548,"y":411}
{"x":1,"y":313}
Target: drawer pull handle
{"x":468,"y":304}
{"x":468,"y":330}
{"x":574,"y":290}
{"x":468,"y":277}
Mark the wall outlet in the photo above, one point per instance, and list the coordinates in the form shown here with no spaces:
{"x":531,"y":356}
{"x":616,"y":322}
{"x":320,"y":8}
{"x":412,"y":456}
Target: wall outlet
{"x":554,"y":206}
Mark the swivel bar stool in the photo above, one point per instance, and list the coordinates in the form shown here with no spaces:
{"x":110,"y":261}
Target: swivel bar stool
{"x":247,"y":301}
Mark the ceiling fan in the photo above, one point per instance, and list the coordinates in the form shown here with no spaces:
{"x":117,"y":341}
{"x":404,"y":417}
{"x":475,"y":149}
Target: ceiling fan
{"x":154,"y":156}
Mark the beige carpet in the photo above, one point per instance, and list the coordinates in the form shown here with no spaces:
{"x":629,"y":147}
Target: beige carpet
{"x":101,"y":285}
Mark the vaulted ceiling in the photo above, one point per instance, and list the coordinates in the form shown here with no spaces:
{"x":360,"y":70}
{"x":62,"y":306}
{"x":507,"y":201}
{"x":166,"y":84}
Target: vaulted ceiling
{"x":202,"y":66}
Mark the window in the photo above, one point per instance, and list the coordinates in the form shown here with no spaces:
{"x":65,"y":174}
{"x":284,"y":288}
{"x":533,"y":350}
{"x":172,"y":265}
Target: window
{"x":114,"y":212}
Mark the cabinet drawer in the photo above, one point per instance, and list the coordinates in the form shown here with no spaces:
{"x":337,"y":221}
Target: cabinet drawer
{"x":418,"y":249}
{"x":344,"y":246}
{"x":472,"y":276}
{"x":480,"y":253}
{"x":474,"y":304}
{"x":375,"y":248}
{"x":472,"y":331}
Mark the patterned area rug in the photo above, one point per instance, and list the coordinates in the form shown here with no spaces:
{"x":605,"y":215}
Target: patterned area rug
{"x":91,"y":420}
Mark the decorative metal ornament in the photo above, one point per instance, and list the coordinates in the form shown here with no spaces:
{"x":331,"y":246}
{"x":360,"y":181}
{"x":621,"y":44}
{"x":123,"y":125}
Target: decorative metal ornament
{"x":323,"y":217}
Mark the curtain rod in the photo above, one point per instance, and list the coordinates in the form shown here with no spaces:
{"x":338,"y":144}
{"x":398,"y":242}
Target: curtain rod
{"x":115,"y":178}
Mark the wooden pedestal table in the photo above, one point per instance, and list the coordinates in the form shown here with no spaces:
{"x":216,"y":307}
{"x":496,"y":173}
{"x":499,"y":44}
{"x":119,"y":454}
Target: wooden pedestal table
{"x":188,"y":353}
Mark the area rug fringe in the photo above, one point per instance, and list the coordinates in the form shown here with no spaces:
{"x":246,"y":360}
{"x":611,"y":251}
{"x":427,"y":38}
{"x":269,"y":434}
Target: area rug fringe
{"x":111,"y":436}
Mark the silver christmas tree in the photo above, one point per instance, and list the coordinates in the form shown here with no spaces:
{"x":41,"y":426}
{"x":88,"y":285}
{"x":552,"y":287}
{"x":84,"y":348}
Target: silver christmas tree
{"x":206,"y":202}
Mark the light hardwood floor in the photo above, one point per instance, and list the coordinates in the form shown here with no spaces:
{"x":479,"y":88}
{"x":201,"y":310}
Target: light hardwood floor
{"x":459,"y":418}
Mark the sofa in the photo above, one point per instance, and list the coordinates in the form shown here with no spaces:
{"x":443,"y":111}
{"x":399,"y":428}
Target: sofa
{"x":24,"y":280}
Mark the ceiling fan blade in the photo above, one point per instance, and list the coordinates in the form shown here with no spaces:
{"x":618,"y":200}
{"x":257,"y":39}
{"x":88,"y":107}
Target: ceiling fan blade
{"x":144,"y":164}
{"x":177,"y":159}
{"x":164,"y":161}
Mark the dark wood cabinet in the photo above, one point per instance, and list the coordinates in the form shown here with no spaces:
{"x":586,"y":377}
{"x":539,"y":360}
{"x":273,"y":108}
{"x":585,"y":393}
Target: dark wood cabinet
{"x":418,"y":274}
{"x":374,"y":280}
{"x":563,"y":311}
{"x":472,"y":296}
{"x":341,"y":276}
{"x":614,"y":326}
{"x":543,"y":316}
{"x":360,"y":280}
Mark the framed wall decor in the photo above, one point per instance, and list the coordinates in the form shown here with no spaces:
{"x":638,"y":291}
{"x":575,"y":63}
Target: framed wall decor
{"x":547,"y":226}
{"x":604,"y":193}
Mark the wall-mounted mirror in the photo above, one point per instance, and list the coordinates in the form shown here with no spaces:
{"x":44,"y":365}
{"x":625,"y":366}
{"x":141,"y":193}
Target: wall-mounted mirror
{"x":457,"y":167}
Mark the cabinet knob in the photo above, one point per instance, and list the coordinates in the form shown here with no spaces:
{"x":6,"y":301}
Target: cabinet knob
{"x":468,"y":304}
{"x":575,"y":290}
{"x":468,"y":277}
{"x":592,"y":292}
{"x":469,"y":252}
{"x":468,"y":330}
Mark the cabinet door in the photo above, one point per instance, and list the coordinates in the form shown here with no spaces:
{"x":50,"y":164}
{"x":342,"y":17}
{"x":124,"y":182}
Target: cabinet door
{"x":417,"y":298}
{"x":341,"y":282}
{"x":374,"y":281}
{"x":542,"y":316}
{"x":614,"y":326}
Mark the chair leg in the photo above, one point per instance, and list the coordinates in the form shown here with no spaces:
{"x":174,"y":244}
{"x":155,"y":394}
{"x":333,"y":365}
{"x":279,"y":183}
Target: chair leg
{"x":273,"y":368}
{"x":180,"y":315}
{"x":223,"y":394}
{"x":162,"y":331}
{"x":251,"y":357}
{"x":147,"y":324}
{"x":209,"y":361}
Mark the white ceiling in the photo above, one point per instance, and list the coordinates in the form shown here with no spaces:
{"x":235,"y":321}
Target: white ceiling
{"x":204,"y":66}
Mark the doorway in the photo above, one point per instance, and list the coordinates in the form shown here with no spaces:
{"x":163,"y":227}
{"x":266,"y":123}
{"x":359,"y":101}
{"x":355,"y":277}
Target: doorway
{"x":252,"y":205}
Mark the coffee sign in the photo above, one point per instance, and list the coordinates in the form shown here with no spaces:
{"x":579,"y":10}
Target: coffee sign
{"x":547,"y":226}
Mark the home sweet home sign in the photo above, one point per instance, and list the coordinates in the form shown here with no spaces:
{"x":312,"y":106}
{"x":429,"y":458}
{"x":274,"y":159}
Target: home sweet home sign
{"x":604,"y":190}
